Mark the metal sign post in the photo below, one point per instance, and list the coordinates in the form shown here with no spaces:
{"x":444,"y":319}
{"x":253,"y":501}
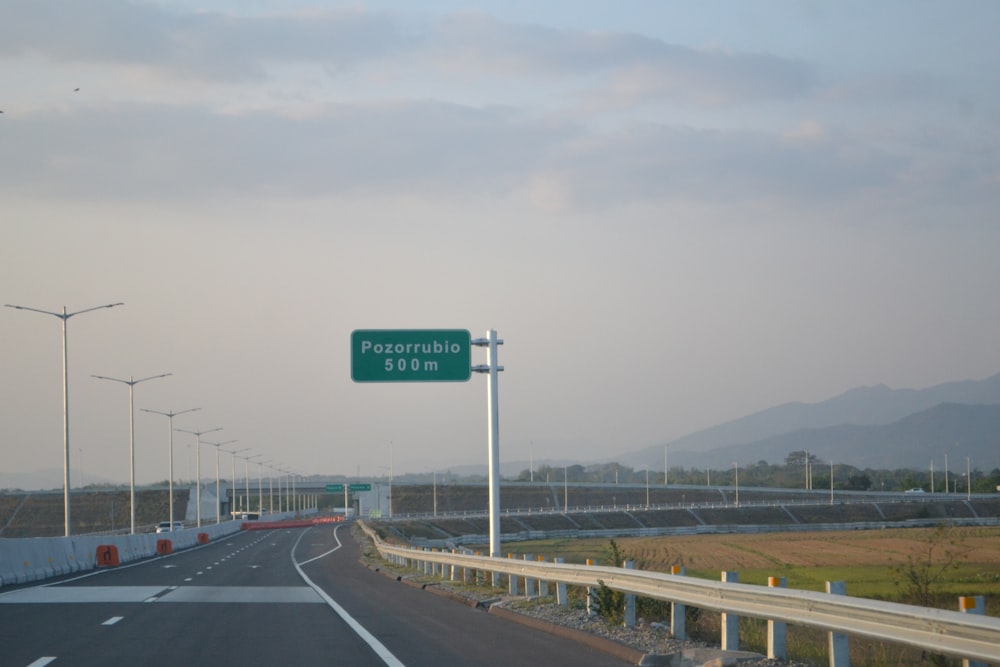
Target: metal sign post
{"x":493,"y":406}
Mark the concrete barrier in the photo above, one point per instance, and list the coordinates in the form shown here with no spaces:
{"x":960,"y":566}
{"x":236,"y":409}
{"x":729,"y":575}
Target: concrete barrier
{"x":30,"y":559}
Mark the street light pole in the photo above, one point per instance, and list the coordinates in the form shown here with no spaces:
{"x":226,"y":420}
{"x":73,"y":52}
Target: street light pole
{"x":198,"y":435}
{"x":232,"y":501}
{"x":737,"y":464}
{"x":131,"y":433}
{"x":218,"y":480}
{"x":170,"y":446}
{"x":64,"y":316}
{"x":246,"y":475}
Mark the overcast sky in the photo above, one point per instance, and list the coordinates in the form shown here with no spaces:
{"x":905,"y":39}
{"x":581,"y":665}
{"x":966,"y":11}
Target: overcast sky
{"x":674,"y":214}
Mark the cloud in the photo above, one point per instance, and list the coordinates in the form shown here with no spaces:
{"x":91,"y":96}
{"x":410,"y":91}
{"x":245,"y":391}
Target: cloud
{"x":224,"y":47}
{"x":211,"y":46}
{"x":408,"y":147}
{"x":624,"y":69}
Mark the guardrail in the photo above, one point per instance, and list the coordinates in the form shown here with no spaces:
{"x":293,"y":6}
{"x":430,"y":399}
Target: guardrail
{"x":964,"y":635}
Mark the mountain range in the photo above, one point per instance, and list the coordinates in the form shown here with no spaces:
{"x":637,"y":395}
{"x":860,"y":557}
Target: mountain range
{"x":867,"y":427}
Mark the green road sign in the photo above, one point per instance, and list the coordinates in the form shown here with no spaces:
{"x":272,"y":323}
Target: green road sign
{"x":359,"y":487}
{"x":411,"y":355}
{"x":335,"y":488}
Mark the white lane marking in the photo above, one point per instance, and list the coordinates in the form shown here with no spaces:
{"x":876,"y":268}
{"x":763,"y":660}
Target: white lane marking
{"x":380,"y":650}
{"x":328,"y":552}
{"x":112,"y":620}
{"x":41,"y":662}
{"x":243,"y":595}
{"x":71,"y":594}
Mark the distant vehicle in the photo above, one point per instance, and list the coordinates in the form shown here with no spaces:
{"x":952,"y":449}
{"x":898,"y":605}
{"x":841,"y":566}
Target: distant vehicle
{"x":165,"y":527}
{"x":914,"y":491}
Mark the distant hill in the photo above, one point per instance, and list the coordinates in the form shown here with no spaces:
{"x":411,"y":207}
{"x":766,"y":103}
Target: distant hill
{"x":951,"y":429}
{"x":917,"y":426}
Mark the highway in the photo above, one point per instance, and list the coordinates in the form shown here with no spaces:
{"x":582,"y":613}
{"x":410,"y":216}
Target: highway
{"x":289,"y":596}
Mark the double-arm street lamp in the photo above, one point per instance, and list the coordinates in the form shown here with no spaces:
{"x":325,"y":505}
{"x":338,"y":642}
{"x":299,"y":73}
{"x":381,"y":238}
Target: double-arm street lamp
{"x":64,"y":316}
{"x":170,"y":446}
{"x":232,"y":500}
{"x":218,"y":480}
{"x":246,"y":474}
{"x":131,"y":433}
{"x":197,"y":494}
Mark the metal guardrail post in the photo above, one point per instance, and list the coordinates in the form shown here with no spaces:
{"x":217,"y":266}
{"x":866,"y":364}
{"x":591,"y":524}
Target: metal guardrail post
{"x":839,"y":647}
{"x":972,"y":605}
{"x":678,"y":611}
{"x":529,"y":583}
{"x":543,"y":584}
{"x":561,"y":598}
{"x":629,"y":599}
{"x":513,"y":588}
{"x":777,"y":631}
{"x":591,"y":596}
{"x":730,"y":622}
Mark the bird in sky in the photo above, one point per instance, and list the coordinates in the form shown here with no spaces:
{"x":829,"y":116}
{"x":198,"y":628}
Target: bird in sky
{"x":76,"y":90}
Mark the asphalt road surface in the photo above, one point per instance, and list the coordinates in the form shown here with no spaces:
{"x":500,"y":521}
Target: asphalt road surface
{"x":286,"y":597}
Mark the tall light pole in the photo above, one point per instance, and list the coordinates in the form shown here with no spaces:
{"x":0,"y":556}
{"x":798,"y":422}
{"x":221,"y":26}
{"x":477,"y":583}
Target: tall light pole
{"x":218,"y":479}
{"x":737,"y":464}
{"x":260,"y":492}
{"x":197,"y":494}
{"x":131,"y":432}
{"x":232,"y":501}
{"x":565,"y":489}
{"x":831,"y":481}
{"x":246,"y":475}
{"x":170,"y":446}
{"x":64,"y":316}
{"x":665,"y":469}
{"x":270,"y":487}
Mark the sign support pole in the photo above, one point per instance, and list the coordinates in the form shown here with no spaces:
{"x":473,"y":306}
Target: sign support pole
{"x":493,"y":406}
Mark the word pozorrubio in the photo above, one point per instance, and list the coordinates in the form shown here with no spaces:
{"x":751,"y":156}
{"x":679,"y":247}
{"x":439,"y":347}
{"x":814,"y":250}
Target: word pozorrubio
{"x":409,"y":347}
{"x":410,"y":355}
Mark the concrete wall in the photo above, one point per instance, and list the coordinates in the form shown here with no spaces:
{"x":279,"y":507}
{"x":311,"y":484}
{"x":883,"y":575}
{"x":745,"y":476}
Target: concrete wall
{"x":36,"y":558}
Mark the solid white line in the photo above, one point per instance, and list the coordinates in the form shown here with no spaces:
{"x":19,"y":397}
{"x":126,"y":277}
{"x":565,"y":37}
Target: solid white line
{"x":380,"y":650}
{"x":112,"y":620}
{"x":328,"y":552}
{"x":41,"y":662}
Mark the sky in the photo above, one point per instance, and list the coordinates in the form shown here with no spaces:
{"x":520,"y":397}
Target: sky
{"x":673,"y":214}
